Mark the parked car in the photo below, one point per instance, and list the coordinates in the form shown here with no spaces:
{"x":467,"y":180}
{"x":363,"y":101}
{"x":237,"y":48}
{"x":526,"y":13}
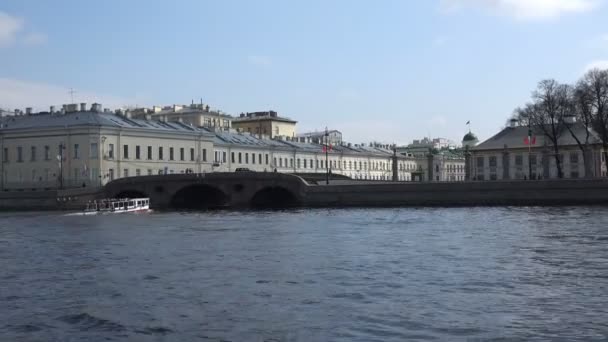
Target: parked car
{"x":242,"y":169}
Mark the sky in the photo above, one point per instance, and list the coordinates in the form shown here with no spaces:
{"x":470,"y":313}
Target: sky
{"x":387,"y":71}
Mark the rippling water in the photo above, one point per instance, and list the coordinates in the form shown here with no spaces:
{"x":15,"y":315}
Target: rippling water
{"x":306,"y":275}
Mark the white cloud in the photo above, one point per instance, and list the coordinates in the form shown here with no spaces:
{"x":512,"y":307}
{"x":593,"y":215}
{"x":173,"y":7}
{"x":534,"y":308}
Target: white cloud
{"x":261,"y":61}
{"x":9,"y":28}
{"x":34,"y":38}
{"x":21,"y":94}
{"x":599,"y":64}
{"x":525,"y":9}
{"x":13,"y":30}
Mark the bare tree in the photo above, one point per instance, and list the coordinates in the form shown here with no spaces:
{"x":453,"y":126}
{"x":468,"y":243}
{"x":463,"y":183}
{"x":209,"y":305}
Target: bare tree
{"x":546,"y":112}
{"x":595,"y":84}
{"x":580,"y":107}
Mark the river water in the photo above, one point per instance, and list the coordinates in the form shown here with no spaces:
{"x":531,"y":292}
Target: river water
{"x":306,"y":275}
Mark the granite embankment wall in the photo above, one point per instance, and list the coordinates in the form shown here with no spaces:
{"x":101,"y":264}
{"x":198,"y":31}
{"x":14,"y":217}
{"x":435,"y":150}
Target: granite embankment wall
{"x":345,"y":194}
{"x":69,"y":199}
{"x":547,"y":192}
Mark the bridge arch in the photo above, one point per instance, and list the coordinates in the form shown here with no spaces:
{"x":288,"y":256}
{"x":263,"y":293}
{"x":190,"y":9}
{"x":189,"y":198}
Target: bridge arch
{"x":199,"y":196}
{"x":274,"y":197}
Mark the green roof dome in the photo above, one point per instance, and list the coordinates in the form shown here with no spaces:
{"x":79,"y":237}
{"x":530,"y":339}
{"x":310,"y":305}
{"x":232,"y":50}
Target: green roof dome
{"x":469,"y":137}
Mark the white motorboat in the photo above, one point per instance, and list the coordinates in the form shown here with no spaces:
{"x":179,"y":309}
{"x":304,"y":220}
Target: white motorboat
{"x":118,"y":205}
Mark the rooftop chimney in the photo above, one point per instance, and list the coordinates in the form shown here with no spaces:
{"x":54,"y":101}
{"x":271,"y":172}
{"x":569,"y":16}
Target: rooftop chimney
{"x":28,"y":110}
{"x":52,"y":110}
{"x":83,"y":107}
{"x":96,"y":107}
{"x":513,"y":123}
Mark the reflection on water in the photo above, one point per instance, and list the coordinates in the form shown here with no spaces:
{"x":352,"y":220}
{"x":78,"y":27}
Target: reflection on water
{"x":306,"y":275}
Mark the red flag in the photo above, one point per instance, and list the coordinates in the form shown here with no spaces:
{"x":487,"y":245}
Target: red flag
{"x":534,"y":140}
{"x":330,"y":148}
{"x":527,"y":141}
{"x":324,"y":148}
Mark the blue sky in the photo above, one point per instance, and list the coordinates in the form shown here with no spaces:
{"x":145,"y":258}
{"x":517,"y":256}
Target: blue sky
{"x":389,"y":71}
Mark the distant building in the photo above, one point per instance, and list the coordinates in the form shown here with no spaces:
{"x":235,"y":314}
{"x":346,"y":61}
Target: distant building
{"x":507,"y":155}
{"x":334,"y":137}
{"x":197,"y":115}
{"x":265,"y":124}
{"x":77,"y":146}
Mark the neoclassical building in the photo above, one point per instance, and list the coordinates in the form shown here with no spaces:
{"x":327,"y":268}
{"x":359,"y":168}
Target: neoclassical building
{"x":81,"y":147}
{"x":511,"y":155}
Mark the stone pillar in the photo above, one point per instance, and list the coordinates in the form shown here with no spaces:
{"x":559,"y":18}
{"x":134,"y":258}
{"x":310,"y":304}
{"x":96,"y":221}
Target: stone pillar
{"x":395,"y":167}
{"x":467,"y":164}
{"x":430,"y":167}
{"x":546,"y":163}
{"x":506,"y":164}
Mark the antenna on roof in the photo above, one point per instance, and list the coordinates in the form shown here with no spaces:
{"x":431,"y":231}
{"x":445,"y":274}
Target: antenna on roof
{"x":71,"y":92}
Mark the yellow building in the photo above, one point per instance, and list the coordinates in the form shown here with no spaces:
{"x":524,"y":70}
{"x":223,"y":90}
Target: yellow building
{"x":265,"y":124}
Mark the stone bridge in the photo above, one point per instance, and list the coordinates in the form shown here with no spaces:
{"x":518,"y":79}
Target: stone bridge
{"x":212,"y":190}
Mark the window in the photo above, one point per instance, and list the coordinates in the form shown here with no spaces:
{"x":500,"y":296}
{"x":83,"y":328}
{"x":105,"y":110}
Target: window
{"x":137,"y":152}
{"x":149,"y":152}
{"x":33,"y":154}
{"x":93,"y":151}
{"x":305,"y":164}
{"x":267,"y":159}
{"x":519,"y":160}
{"x":149,"y":172}
{"x":5,"y":155}
{"x":125,"y":151}
{"x":232,"y":157}
{"x":224,"y":155}
{"x":192,"y":154}
{"x":181,"y":153}
{"x":170,"y":153}
{"x":125,"y":173}
{"x":47,"y":152}
{"x":574,"y":159}
{"x":160,"y":153}
{"x":204,"y":154}
{"x":246,"y":158}
{"x":19,"y":154}
{"x":253,"y":158}
{"x":317,"y":163}
{"x":240,"y":158}
{"x":275,"y":162}
{"x":260,"y":158}
{"x":111,"y":151}
{"x":111,"y":174}
{"x":574,"y":174}
{"x":291,"y":162}
{"x":76,"y":151}
{"x":298,"y":163}
{"x":280,"y":162}
{"x":137,"y":172}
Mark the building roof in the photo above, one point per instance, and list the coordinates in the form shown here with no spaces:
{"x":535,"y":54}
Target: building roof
{"x":262,"y":116}
{"x":514,"y":137}
{"x":87,"y":118}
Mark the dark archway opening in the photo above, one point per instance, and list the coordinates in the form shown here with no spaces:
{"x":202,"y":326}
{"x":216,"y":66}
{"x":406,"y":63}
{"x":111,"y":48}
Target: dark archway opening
{"x":131,"y":194}
{"x":199,"y":197}
{"x":274,"y":197}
